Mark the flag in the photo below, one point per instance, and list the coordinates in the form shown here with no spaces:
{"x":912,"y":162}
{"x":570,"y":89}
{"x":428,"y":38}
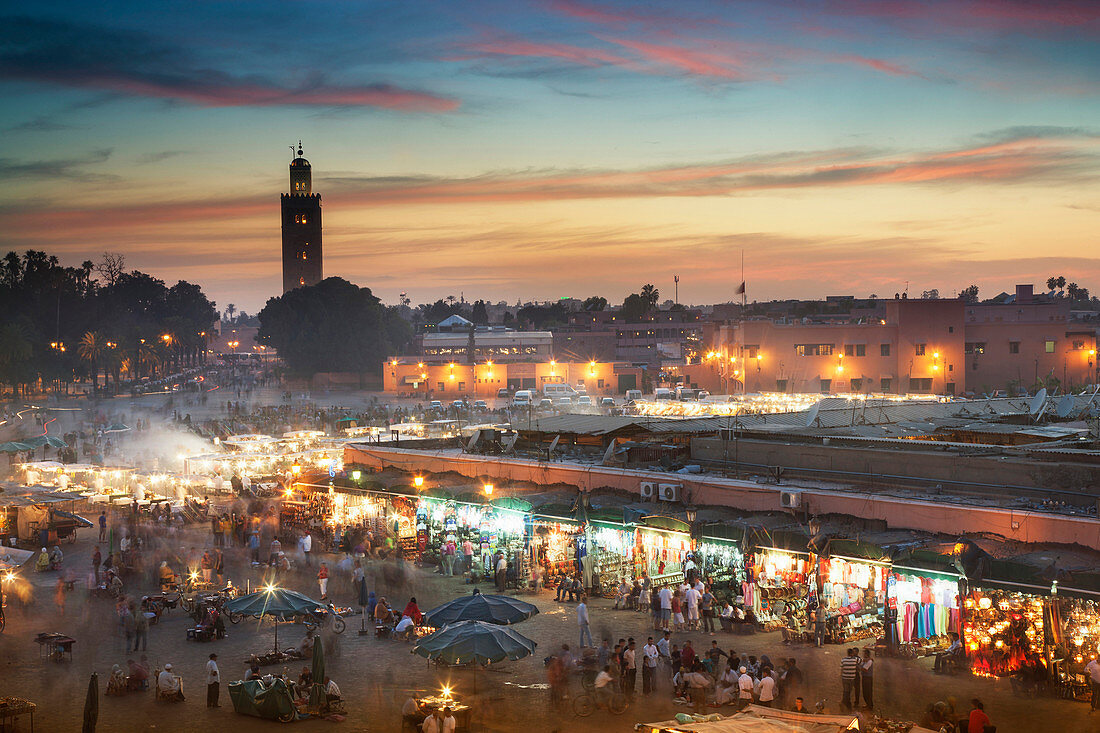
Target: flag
{"x":741,"y":289}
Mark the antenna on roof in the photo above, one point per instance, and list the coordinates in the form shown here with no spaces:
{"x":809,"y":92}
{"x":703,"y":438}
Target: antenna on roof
{"x":1064,"y":406}
{"x":1038,"y":402}
{"x":812,"y":414}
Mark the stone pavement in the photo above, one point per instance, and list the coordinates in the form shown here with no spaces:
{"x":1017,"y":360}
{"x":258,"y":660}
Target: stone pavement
{"x":377,"y":675}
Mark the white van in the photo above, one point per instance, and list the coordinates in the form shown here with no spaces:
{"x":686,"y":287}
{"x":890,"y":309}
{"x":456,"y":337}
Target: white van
{"x":522,"y":398}
{"x":557,"y":389}
{"x":633,"y":395}
{"x":663,"y":393}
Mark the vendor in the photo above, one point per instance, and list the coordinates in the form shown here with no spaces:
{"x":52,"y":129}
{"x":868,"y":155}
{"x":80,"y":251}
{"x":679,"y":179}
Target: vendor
{"x":305,"y":648}
{"x":56,"y":556}
{"x":383,"y":614}
{"x":42,"y":564}
{"x":167,"y":576}
{"x":405,"y":627}
{"x":413,"y":611}
{"x":169,"y":684}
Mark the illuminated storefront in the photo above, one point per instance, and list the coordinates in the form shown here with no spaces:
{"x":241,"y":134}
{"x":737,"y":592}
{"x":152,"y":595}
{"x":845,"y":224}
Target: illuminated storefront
{"x":853,"y":596}
{"x":1002,"y":630}
{"x":927,"y":605}
{"x":778,"y":584}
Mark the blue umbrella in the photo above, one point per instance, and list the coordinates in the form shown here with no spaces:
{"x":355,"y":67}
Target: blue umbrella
{"x":279,"y":603}
{"x":479,"y":607}
{"x":474,"y":642}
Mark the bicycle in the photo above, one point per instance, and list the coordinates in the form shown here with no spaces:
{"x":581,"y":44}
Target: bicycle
{"x":586,"y":703}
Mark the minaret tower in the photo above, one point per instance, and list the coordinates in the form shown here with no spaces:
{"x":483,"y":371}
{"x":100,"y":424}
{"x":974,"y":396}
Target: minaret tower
{"x":301,"y":227}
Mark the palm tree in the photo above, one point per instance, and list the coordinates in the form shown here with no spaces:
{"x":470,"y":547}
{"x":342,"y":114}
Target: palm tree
{"x":92,"y":346}
{"x":650,"y":294}
{"x":229,"y":311}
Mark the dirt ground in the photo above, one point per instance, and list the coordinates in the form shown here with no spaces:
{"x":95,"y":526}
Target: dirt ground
{"x":376,"y":676}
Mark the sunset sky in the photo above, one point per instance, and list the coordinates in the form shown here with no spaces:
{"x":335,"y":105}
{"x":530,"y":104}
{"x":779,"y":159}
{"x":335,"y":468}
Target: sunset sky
{"x":518,"y":150}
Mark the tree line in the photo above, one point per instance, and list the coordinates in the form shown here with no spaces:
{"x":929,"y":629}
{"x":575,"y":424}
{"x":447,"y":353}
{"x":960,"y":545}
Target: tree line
{"x":62,"y":323}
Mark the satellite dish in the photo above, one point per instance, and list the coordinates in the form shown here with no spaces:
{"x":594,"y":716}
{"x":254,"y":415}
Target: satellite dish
{"x":1064,"y":406}
{"x":811,"y":414}
{"x":1037,"y":402}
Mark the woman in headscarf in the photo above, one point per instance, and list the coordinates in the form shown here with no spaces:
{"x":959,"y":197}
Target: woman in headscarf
{"x":42,"y":564}
{"x":413,"y":611}
{"x":116,"y":683}
{"x":56,"y":556}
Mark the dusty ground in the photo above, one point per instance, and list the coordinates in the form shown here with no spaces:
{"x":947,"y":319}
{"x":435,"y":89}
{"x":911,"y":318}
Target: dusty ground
{"x":376,"y":676}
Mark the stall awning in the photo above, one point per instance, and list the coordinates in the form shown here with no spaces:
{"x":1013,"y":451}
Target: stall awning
{"x":671,"y":524}
{"x":75,"y":517}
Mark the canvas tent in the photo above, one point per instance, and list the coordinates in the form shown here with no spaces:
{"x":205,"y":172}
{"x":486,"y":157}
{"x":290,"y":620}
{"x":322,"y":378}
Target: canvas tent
{"x":758,"y":719}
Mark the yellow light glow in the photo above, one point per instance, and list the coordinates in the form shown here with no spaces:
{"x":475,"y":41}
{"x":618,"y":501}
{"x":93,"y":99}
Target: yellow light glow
{"x":759,"y":357}
{"x":488,"y":489}
{"x":935,"y":367}
{"x":839,"y":369}
{"x":418,"y":481}
{"x":296,"y":469}
{"x":935,"y":355}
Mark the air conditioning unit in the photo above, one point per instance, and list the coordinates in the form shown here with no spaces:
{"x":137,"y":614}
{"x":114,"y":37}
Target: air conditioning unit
{"x":649,"y":491}
{"x":790,"y":499}
{"x":668,"y":492}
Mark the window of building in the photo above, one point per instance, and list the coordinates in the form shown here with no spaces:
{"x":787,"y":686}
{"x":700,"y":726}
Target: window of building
{"x":1050,"y":347}
{"x":781,"y":385}
{"x":849,"y":350}
{"x":813,"y":349}
{"x":441,"y":386}
{"x":300,"y":219}
{"x":920,"y":349}
{"x":857,"y":385}
{"x":950,"y":367}
{"x":1078,"y":345}
{"x":599,"y":384}
{"x":975,"y":347}
{"x":923,"y":384}
{"x":861,"y":349}
{"x":949,"y":388}
{"x":1014,"y":347}
{"x":884,"y":349}
{"x":951,"y":329}
{"x":826,"y":385}
{"x":751,"y":350}
{"x":461,"y":386}
{"x":887,"y":384}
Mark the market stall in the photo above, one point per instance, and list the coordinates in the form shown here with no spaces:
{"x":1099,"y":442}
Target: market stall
{"x":722,"y":564}
{"x":1003,"y":631}
{"x":661,"y":548}
{"x":853,"y":597}
{"x":922,"y":607}
{"x":778,"y":587}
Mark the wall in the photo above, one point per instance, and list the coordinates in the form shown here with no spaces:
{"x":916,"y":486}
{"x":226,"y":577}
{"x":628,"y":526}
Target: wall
{"x":912,"y":514}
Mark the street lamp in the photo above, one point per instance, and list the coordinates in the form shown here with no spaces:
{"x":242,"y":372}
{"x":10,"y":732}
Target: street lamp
{"x":418,"y":481}
{"x":489,"y":490}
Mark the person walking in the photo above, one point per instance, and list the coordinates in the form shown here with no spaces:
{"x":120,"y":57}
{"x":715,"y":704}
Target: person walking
{"x":706,"y":610}
{"x":582,"y":621}
{"x":630,"y":669}
{"x":765,"y":689}
{"x":449,"y":558}
{"x":745,"y":687}
{"x":867,"y":679}
{"x":103,"y":526}
{"x":650,"y":655}
{"x":141,"y":628}
{"x":219,"y":565}
{"x":468,"y":556}
{"x":322,"y":581}
{"x":1093,"y":668}
{"x":307,"y":547}
{"x":213,"y":680}
{"x":849,"y":672}
{"x":666,"y":607}
{"x":97,"y":560}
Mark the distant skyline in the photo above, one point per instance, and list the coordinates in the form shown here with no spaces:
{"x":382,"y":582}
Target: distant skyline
{"x":536,"y":150}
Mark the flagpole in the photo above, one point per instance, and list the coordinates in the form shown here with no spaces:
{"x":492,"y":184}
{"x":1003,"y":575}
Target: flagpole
{"x":743,"y":289}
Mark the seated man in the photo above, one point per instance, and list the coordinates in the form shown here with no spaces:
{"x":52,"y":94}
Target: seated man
{"x":167,"y":577}
{"x":332,"y":692}
{"x":305,"y":647}
{"x":169,"y":685}
{"x":382,"y":612}
{"x":621,"y":594}
{"x":137,"y":675}
{"x":406,"y":628}
{"x":305,"y":681}
{"x":951,"y":656}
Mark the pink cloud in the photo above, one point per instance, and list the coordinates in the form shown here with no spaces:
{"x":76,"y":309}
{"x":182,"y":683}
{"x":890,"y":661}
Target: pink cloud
{"x":563,"y":51}
{"x":1002,"y":15}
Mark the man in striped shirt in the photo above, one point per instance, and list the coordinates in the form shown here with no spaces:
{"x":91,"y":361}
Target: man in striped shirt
{"x":849,"y":669}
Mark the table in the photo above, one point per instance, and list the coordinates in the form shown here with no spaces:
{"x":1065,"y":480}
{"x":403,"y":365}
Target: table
{"x":55,"y":646}
{"x":12,"y":707}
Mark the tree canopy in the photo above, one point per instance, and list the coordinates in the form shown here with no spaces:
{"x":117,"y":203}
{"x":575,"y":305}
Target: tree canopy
{"x":333,"y":326}
{"x":50,"y":310}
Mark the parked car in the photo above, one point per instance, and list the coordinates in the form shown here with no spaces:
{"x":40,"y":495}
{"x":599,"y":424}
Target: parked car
{"x":584,"y":400}
{"x":435,"y":405}
{"x":607,"y":402}
{"x":481,"y":406}
{"x":459,"y":404}
{"x":503,"y":392}
{"x":546,"y":403}
{"x":633,"y":395}
{"x":564,"y":402}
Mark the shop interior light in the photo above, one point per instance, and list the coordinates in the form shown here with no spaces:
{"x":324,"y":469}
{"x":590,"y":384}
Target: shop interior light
{"x":296,"y":469}
{"x":355,"y":475}
{"x":418,"y":481}
{"x":489,"y":490}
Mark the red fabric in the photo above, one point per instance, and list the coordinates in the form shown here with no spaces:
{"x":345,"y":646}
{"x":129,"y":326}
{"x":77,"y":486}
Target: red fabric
{"x":413,"y":612}
{"x":978,"y":721}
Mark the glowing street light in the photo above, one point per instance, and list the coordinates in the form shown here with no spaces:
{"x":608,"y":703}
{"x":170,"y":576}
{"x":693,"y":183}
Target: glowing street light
{"x":296,"y":469}
{"x":418,"y":481}
{"x":489,"y":490}
{"x":356,"y":474}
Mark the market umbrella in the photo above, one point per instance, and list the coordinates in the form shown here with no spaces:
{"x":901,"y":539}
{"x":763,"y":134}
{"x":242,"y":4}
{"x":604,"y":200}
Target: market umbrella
{"x":279,"y":603}
{"x":91,"y":705}
{"x":56,"y":442}
{"x":479,"y":607}
{"x":117,"y":428}
{"x":15,"y":447}
{"x":476,"y":642}
{"x":317,"y":698}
